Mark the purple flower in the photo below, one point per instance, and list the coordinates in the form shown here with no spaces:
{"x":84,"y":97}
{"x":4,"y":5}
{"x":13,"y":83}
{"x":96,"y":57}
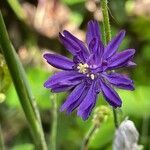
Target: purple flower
{"x":91,"y":71}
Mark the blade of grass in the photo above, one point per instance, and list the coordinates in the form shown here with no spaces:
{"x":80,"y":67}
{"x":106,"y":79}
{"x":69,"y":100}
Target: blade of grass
{"x":23,"y":89}
{"x":1,"y":140}
{"x":53,"y":135}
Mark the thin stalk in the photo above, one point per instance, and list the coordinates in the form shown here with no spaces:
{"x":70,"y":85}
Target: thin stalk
{"x":115,"y":118}
{"x":1,"y":140}
{"x":107,"y":38}
{"x":106,"y":24}
{"x":88,"y":136}
{"x":23,"y":89}
{"x":53,"y":135}
{"x":18,"y":10}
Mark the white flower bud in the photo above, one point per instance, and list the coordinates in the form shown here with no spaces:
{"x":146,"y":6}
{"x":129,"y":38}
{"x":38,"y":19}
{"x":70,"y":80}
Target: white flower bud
{"x":126,"y":137}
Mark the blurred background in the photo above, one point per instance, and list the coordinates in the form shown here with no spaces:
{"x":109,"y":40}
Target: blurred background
{"x":33,"y":27}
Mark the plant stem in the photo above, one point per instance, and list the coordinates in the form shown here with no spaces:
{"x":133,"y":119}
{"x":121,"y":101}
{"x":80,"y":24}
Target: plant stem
{"x":106,"y":24}
{"x":1,"y":140}
{"x":88,"y":136}
{"x":107,"y":38}
{"x":54,"y":123}
{"x":18,"y":10}
{"x":24,"y":92}
{"x":115,"y":118}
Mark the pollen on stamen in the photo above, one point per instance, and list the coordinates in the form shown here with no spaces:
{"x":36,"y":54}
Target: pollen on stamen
{"x":82,"y":68}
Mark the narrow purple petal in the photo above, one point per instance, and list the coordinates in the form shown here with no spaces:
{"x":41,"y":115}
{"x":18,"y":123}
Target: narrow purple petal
{"x":93,"y":31}
{"x":59,"y":61}
{"x":130,"y":64}
{"x":96,"y":47}
{"x":76,"y":103}
{"x":62,"y":88}
{"x":65,"y":85}
{"x":113,"y":45}
{"x":110,"y":95}
{"x":74,"y":45}
{"x":86,"y":113}
{"x":120,"y":59}
{"x":120,"y":81}
{"x":63,"y":78}
{"x":88,"y":103}
{"x":73,"y":97}
{"x":71,"y":47}
{"x":78,"y":42}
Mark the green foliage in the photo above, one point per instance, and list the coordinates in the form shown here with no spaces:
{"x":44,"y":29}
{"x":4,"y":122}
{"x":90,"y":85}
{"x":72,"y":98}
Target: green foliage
{"x":76,"y":18}
{"x":42,"y":95}
{"x":136,"y":100}
{"x":37,"y":77}
{"x":72,"y":129}
{"x":4,"y":75}
{"x":104,"y":135}
{"x":26,"y":146}
{"x":72,"y":2}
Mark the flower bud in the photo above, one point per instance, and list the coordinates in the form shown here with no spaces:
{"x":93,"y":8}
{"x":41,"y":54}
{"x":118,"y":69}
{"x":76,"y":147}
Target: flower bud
{"x":100,"y":114}
{"x":126,"y":137}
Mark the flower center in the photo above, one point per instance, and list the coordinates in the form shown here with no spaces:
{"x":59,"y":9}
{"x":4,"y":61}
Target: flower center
{"x":84,"y":68}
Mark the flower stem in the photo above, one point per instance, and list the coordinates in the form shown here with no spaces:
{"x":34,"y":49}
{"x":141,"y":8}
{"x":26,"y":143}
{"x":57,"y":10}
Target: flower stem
{"x":107,"y":38}
{"x":106,"y":24}
{"x":24,"y":92}
{"x":115,"y":118}
{"x":88,"y":136}
{"x":1,"y":140}
{"x":54,"y":124}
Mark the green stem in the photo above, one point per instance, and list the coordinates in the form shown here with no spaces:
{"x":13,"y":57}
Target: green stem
{"x":1,"y":140}
{"x":88,"y":137}
{"x":107,"y":38}
{"x":18,"y":10}
{"x":24,"y":92}
{"x":54,"y":124}
{"x":115,"y":118}
{"x":106,"y":24}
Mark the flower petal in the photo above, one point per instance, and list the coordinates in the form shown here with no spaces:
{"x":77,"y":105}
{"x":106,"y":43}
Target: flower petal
{"x":73,"y":98}
{"x":88,"y":103}
{"x":71,"y":47}
{"x":96,"y":47}
{"x":75,"y":40}
{"x":120,"y":81}
{"x":76,"y":103}
{"x":130,"y":64}
{"x":86,"y":113}
{"x":113,"y":45}
{"x":62,"y":88}
{"x":120,"y":59}
{"x":110,"y":95}
{"x":93,"y":31}
{"x":59,"y":61}
{"x":74,"y":45}
{"x":63,"y":78}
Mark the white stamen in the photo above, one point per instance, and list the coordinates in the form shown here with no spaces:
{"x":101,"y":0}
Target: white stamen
{"x":88,"y":75}
{"x":92,"y":76}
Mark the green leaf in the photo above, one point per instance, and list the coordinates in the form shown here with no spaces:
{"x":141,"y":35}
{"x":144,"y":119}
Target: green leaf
{"x":104,"y":135}
{"x":136,"y":102}
{"x":26,"y":146}
{"x":36,"y":77}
